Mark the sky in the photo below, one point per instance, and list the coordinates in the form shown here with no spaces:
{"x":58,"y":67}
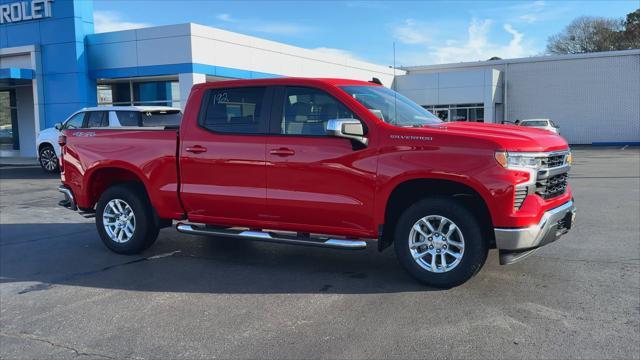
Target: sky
{"x":424,"y":32}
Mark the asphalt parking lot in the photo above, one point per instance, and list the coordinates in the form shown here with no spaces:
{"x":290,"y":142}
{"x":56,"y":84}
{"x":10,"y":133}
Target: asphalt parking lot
{"x":64,"y":295}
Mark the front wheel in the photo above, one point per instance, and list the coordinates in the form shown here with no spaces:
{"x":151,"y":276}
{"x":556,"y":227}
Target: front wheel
{"x":48,"y":159}
{"x":439,"y":242}
{"x":125,"y":221}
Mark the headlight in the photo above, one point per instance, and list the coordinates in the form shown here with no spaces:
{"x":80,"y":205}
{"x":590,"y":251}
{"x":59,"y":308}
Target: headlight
{"x":515,"y":160}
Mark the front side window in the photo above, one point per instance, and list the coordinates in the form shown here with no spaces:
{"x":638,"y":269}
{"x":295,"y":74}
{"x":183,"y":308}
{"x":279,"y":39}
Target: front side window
{"x":306,"y":111}
{"x":75,"y":122}
{"x":97,"y":119}
{"x":234,"y":110}
{"x":391,"y":107}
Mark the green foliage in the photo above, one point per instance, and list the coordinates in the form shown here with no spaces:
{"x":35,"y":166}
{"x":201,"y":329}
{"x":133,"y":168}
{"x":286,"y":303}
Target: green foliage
{"x":592,"y":34}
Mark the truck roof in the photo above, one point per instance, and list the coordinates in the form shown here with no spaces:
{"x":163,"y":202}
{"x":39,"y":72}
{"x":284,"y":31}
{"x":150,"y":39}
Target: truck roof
{"x":130,"y":108}
{"x":285,"y":81}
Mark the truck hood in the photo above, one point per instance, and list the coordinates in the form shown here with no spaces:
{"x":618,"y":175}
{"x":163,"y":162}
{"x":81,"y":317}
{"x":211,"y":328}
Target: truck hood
{"x":508,"y":137}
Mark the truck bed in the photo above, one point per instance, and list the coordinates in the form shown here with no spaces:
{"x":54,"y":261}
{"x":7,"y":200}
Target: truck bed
{"x":148,"y":154}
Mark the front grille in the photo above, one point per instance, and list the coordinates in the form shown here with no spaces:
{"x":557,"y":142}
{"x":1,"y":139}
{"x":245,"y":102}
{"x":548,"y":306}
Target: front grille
{"x":552,"y":186}
{"x":519,"y":196}
{"x":553,"y":160}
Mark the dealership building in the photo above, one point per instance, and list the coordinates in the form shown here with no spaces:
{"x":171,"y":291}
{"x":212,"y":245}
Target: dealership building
{"x":593,"y":98}
{"x":52,"y":64}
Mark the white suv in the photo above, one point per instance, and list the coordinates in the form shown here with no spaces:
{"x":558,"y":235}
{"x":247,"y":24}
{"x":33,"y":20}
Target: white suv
{"x":544,"y":124}
{"x":101,"y":117}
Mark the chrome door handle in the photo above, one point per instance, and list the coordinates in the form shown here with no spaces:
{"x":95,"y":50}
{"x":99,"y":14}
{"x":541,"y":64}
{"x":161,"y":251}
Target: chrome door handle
{"x":282,"y":152}
{"x":196,"y":149}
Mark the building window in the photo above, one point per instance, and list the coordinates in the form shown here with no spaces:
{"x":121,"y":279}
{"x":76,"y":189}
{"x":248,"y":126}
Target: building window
{"x":458,"y":112}
{"x":150,"y":93}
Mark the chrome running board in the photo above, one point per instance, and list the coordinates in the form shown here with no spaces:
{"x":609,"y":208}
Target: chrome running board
{"x":273,"y":237}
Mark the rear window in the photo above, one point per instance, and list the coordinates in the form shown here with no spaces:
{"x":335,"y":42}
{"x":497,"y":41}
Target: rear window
{"x":534,"y":123}
{"x":128,"y":118}
{"x":97,"y":119}
{"x":149,"y":118}
{"x":234,"y":110}
{"x":161,"y":118}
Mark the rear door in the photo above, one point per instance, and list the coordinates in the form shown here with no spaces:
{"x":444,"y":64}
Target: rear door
{"x":222,"y":158}
{"x":317,"y":182}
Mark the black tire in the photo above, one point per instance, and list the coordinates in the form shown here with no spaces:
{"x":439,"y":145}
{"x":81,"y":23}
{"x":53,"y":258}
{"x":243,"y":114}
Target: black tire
{"x":475,"y":247}
{"x":48,"y":159}
{"x":146,"y":227}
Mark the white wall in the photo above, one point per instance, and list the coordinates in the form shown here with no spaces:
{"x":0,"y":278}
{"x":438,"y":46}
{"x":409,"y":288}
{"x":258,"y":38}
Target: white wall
{"x":192,"y":43}
{"x":186,"y":82}
{"x":22,"y":61}
{"x":476,"y":86}
{"x":592,"y":100}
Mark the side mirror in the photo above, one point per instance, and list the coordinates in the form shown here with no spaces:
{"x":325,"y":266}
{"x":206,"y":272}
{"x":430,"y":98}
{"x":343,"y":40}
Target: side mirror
{"x":347,"y":128}
{"x":58,"y":126}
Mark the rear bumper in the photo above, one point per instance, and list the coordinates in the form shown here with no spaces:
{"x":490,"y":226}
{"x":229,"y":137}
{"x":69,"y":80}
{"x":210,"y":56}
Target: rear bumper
{"x":516,"y":244}
{"x":69,"y":201}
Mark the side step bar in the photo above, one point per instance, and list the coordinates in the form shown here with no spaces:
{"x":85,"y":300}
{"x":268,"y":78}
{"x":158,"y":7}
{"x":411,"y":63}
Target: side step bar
{"x":273,"y":237}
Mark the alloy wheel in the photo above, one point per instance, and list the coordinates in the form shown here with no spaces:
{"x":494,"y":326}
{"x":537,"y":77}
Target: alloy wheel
{"x":436,"y":244}
{"x":48,"y":159}
{"x":119,"y":221}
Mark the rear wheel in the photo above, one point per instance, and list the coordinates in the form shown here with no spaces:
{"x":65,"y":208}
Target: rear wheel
{"x":439,"y":242}
{"x":125,"y":221}
{"x":48,"y":159}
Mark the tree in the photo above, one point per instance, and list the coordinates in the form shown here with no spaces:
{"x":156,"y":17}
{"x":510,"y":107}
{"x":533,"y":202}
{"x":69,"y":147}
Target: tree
{"x":592,"y":34}
{"x":632,"y":30}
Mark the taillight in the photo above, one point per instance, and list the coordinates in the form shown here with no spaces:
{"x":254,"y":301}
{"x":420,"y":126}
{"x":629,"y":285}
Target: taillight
{"x":62,"y":140}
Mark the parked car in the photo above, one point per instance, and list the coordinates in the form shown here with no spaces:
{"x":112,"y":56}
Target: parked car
{"x":328,"y":163}
{"x":102,"y":116}
{"x":545,"y":124}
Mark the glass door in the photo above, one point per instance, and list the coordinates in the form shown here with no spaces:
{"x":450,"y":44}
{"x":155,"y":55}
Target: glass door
{"x":8,"y":121}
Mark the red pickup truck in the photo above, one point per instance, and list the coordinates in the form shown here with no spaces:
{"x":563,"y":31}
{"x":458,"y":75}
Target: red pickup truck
{"x":329,"y":163}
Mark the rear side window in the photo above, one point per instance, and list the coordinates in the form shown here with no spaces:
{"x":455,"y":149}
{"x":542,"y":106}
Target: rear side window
{"x":161,"y":118}
{"x":234,"y":110}
{"x":75,"y":122}
{"x":535,"y":123}
{"x":128,"y":118}
{"x":149,"y":118}
{"x":97,"y":119}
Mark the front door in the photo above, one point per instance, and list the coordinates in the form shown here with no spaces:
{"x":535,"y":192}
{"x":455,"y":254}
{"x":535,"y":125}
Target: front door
{"x":316,"y":183}
{"x":222,"y":160}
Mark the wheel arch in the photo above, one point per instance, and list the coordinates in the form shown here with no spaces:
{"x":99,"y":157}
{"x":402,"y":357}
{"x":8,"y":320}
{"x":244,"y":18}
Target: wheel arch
{"x":43,"y":145}
{"x":405,"y":193}
{"x":98,"y":179}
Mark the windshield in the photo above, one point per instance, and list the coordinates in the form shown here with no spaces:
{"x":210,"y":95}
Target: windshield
{"x":390,"y":106}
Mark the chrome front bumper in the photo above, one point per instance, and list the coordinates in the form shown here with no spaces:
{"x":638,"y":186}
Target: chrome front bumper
{"x":516,"y":244}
